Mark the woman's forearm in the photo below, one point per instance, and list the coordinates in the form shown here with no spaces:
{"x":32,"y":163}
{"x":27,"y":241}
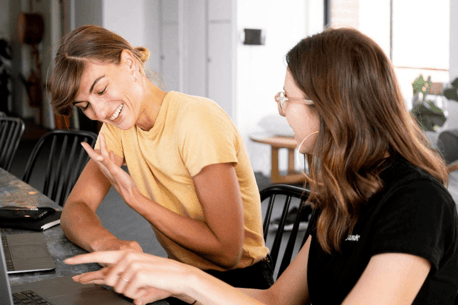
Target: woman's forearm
{"x":207,"y":289}
{"x":191,"y":234}
{"x":83,"y":227}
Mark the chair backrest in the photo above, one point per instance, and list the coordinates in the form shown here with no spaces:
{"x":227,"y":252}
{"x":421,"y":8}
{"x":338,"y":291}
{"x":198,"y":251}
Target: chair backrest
{"x":279,"y":198}
{"x":58,"y":159}
{"x":447,"y":144}
{"x":11,"y":130}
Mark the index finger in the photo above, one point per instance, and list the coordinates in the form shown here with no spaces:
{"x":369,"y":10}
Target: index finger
{"x":103,"y":145}
{"x":92,"y":153}
{"x":106,"y":257}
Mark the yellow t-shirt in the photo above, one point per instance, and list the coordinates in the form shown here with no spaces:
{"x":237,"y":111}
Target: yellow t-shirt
{"x":189,"y":133}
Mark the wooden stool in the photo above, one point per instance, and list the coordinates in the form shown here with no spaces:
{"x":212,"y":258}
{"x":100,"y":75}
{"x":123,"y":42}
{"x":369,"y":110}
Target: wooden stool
{"x":277,"y":142}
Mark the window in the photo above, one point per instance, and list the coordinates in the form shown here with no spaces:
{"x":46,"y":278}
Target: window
{"x":415,"y":34}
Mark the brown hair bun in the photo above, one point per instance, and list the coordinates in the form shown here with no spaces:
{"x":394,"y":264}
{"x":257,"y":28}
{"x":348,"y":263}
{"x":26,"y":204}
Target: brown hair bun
{"x":142,"y":53}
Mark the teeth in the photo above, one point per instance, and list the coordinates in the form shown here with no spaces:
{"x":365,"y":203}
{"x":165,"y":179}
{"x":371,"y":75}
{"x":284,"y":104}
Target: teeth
{"x":117,"y":112}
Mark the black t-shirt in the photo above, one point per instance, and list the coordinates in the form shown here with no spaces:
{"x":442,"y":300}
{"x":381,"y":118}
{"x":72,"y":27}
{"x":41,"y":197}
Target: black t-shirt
{"x":413,"y":214}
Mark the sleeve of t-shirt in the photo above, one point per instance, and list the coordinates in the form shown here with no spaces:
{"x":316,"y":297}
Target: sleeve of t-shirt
{"x":112,"y":139}
{"x":419,"y":218}
{"x":207,"y":136}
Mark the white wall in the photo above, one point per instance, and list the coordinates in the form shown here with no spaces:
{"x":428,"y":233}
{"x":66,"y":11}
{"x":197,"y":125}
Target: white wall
{"x":453,"y":69}
{"x":87,"y":12}
{"x":151,"y":32}
{"x":137,"y":22}
{"x":126,"y":18}
{"x":376,"y":13}
{"x":261,"y":69}
{"x":196,"y":56}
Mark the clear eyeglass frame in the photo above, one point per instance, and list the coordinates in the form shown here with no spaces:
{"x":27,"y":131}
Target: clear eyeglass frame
{"x":280,"y":99}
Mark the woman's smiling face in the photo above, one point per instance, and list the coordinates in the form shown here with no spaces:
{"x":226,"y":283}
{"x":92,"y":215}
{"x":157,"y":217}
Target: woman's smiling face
{"x":110,"y":93}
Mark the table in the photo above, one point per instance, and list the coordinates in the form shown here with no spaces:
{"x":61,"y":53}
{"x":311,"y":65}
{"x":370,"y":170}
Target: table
{"x":14,"y":191}
{"x":276,"y":143}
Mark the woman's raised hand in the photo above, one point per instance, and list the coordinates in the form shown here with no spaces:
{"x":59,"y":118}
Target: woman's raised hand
{"x":120,"y":180}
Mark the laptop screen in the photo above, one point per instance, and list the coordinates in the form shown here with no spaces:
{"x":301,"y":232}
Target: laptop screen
{"x":5,"y":290}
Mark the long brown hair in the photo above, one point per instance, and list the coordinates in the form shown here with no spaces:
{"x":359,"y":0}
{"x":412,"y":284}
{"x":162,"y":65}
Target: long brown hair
{"x":363,"y":119}
{"x":86,"y":43}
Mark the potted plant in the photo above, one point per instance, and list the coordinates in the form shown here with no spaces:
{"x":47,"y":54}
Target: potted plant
{"x":428,"y":115}
{"x":452,"y":93}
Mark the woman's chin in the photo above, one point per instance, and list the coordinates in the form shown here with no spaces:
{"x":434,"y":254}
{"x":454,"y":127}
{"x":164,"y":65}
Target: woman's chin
{"x":122,"y":124}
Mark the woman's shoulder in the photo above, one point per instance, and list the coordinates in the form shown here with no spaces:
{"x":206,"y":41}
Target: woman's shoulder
{"x":401,"y":172}
{"x":191,"y":110}
{"x":192,"y":104}
{"x":408,"y":183}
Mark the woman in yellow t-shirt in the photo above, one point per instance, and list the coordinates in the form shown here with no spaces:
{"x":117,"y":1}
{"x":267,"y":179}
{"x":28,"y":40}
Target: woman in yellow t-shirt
{"x":189,"y":173}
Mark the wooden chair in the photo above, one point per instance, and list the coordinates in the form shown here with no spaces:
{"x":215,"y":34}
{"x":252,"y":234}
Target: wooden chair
{"x":57,"y":160}
{"x":283,"y":195}
{"x":11,"y":130}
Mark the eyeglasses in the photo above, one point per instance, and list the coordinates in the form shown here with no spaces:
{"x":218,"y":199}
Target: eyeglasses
{"x":280,"y":98}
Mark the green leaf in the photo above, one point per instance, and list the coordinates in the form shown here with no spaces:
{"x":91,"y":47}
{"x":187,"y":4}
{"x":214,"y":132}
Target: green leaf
{"x":451,"y":94}
{"x":429,"y":118}
{"x":418,"y":84}
{"x":455,"y":83}
{"x":433,"y":107}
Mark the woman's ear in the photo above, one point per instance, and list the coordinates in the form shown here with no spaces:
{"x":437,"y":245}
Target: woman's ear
{"x":128,"y":59}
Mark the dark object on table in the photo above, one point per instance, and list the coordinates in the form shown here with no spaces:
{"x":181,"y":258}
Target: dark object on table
{"x":65,"y":159}
{"x":59,"y":290}
{"x":23,"y":213}
{"x":27,"y":220}
{"x":26,"y":253}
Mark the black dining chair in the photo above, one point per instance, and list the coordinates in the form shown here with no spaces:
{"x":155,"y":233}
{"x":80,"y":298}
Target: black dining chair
{"x":280,"y":198}
{"x":11,"y":130}
{"x":56,"y":162}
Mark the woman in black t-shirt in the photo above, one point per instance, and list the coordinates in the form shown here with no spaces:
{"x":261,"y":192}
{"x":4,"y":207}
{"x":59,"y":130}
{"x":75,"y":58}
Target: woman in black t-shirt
{"x":384,"y":227}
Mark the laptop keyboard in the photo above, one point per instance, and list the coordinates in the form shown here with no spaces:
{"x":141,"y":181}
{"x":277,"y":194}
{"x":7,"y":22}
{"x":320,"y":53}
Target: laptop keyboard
{"x":6,"y":249}
{"x":28,"y":297}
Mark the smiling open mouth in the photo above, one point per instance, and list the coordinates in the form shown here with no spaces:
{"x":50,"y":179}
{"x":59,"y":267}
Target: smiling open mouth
{"x":117,"y":112}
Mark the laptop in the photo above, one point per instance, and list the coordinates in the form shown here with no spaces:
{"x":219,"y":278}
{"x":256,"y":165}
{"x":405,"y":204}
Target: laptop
{"x":57,"y":291}
{"x":26,"y":252}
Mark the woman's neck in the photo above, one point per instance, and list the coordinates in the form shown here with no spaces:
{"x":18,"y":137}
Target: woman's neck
{"x":150,"y":106}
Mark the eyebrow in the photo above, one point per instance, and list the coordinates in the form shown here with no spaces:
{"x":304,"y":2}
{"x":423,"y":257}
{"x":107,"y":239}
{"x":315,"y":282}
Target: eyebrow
{"x":95,"y":82}
{"x":92,"y":88}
